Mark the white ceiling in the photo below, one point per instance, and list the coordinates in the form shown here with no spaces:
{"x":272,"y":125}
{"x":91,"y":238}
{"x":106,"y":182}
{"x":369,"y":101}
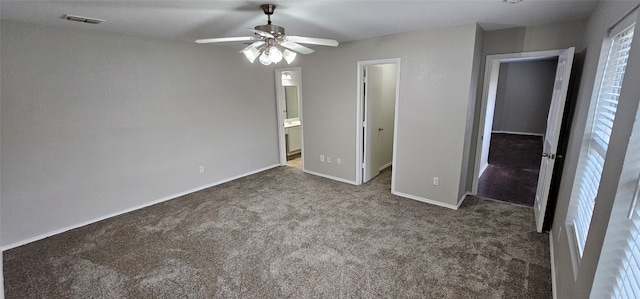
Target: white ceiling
{"x":343,"y":20}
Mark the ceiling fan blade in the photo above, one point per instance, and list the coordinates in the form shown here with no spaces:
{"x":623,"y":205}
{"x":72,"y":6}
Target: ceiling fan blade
{"x":313,"y":41}
{"x":296,"y":47}
{"x":225,"y":39}
{"x":262,"y":33}
{"x":254,"y":45}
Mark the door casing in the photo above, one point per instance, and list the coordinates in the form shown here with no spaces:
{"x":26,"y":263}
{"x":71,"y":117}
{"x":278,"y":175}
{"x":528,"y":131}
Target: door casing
{"x":492,"y":68}
{"x":360,"y":110}
{"x":281,"y":107}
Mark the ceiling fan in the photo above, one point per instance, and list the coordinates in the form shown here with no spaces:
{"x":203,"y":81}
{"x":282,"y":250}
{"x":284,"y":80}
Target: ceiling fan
{"x":270,"y":43}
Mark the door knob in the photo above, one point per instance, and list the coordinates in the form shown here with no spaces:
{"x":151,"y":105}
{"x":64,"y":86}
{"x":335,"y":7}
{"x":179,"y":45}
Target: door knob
{"x":380,"y":129}
{"x":547,"y":155}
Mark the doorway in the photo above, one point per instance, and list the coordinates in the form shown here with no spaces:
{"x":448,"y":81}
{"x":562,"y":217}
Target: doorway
{"x":378,"y":83}
{"x":554,"y":120}
{"x":289,"y":106}
{"x":523,"y":97}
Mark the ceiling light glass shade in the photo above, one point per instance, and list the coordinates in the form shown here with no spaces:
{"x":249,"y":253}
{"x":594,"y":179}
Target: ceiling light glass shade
{"x":275,"y":55}
{"x":264,"y":58}
{"x":289,"y":56}
{"x":251,"y":54}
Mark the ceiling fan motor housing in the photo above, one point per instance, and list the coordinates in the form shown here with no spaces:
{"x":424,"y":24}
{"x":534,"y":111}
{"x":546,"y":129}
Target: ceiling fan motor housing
{"x":273,"y":29}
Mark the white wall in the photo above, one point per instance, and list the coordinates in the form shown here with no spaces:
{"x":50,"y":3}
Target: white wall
{"x":94,"y":124}
{"x":604,"y":16}
{"x":436,"y":73}
{"x":524,"y":96}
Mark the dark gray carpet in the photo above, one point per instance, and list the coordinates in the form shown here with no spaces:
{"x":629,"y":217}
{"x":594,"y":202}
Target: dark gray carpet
{"x":514,"y":166}
{"x":282,"y":233}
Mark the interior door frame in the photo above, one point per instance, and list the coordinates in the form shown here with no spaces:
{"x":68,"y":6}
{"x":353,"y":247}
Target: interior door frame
{"x":359,"y":113}
{"x":280,"y":108}
{"x":492,"y":72}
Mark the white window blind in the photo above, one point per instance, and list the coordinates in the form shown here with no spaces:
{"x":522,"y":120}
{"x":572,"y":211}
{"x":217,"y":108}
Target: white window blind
{"x":618,"y":272}
{"x":627,"y":282}
{"x":592,"y":161}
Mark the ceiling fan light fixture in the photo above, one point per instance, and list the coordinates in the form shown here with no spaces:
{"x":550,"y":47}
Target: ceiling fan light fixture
{"x":269,"y":44}
{"x":251,"y":54}
{"x":264,"y":58}
{"x":289,"y":56}
{"x":275,"y":55}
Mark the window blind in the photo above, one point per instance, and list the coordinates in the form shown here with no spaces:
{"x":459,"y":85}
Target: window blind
{"x":627,"y":282}
{"x":592,"y":162}
{"x":618,"y":272}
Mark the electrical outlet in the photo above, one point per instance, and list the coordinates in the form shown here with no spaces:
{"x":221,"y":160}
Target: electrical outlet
{"x":436,"y":181}
{"x":329,"y":159}
{"x":201,"y":169}
{"x":322,"y":158}
{"x":338,"y":161}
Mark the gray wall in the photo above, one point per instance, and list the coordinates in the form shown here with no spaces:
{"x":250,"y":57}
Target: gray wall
{"x":605,"y":15}
{"x":94,"y":124}
{"x":523,"y":96}
{"x":475,"y":100}
{"x":514,"y":40}
{"x":436,"y":72}
{"x":1,"y":259}
{"x":535,"y":38}
{"x":388,"y":109}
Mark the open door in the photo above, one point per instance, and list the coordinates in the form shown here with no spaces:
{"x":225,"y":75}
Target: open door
{"x":370,"y":154}
{"x":551,"y":137}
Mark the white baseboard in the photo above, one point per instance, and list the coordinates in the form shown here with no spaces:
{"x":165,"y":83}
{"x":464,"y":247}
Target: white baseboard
{"x":483,"y":168}
{"x":461,"y":200}
{"x":385,"y":166}
{"x":293,"y":153}
{"x":426,"y":200}
{"x":329,"y":177}
{"x":518,"y":133}
{"x":553,"y":267}
{"x":62,"y":230}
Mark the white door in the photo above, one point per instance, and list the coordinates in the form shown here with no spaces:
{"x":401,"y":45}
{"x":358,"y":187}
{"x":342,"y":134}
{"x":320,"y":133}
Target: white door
{"x":551,"y":136}
{"x":371,"y":95}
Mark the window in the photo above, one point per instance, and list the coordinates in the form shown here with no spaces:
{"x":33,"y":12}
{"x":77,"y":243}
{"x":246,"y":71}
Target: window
{"x":591,"y":161}
{"x":618,"y":272}
{"x":627,"y":280}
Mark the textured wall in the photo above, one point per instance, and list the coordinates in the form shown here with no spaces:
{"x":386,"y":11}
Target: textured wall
{"x":436,"y":71}
{"x":94,"y":124}
{"x":515,"y":40}
{"x":524,"y":95}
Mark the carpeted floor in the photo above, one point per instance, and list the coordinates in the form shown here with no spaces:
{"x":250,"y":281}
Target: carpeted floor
{"x":514,"y":165}
{"x":285,"y":234}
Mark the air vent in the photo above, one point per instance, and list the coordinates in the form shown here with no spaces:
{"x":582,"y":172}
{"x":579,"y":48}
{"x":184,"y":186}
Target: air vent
{"x":83,"y":19}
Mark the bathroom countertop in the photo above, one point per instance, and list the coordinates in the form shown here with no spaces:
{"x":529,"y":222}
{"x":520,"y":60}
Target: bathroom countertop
{"x":291,"y":124}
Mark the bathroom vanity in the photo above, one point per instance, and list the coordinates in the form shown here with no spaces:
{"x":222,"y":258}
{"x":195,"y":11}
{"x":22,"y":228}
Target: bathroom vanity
{"x":292,"y":136}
